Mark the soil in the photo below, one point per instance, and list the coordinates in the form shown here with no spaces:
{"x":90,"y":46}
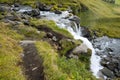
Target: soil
{"x":32,"y":62}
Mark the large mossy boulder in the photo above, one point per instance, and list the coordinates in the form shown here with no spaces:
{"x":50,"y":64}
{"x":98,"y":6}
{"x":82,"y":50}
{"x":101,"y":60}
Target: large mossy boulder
{"x":67,"y":45}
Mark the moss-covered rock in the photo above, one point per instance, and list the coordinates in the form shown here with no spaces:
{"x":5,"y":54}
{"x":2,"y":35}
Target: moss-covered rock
{"x":67,"y":45}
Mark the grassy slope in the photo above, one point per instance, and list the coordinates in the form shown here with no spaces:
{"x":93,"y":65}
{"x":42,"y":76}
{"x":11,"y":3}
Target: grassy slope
{"x":102,"y":17}
{"x":60,"y":68}
{"x":50,"y":24}
{"x":9,"y":54}
{"x":117,"y":2}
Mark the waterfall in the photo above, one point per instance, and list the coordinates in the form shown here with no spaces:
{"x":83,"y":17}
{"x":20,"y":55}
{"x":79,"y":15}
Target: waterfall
{"x":63,"y":22}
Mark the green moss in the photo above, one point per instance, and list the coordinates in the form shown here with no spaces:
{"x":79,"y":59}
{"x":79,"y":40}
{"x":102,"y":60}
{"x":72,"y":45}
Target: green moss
{"x":10,"y":54}
{"x":50,"y":24}
{"x":68,"y":45}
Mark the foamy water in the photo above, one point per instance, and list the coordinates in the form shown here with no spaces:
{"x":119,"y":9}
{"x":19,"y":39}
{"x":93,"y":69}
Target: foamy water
{"x":62,"y":21}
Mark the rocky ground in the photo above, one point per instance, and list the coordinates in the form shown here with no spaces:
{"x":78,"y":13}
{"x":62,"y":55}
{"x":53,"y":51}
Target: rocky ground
{"x":109,"y":50}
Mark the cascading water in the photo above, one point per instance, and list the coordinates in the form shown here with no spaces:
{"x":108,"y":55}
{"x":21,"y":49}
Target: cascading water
{"x":62,"y":21}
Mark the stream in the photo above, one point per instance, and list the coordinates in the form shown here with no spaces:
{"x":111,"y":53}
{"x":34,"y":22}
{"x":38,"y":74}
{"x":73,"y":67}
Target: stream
{"x":102,"y":48}
{"x":65,"y":23}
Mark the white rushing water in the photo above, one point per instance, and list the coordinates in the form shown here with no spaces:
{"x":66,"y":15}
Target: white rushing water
{"x":62,"y":21}
{"x":65,"y":23}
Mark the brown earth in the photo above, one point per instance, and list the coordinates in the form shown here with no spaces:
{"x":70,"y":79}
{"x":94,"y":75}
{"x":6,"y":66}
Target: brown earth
{"x":32,"y":63}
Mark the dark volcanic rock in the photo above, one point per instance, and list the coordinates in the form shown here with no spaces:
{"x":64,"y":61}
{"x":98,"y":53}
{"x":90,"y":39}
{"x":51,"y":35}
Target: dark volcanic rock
{"x":33,"y":13}
{"x":57,"y":12}
{"x":107,"y":73}
{"x":86,"y":33}
{"x":75,"y":19}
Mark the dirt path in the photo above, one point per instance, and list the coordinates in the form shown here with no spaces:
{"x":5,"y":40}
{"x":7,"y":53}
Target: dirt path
{"x":32,"y":63}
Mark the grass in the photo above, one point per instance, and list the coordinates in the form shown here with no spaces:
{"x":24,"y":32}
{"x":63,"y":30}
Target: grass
{"x":50,"y":24}
{"x":103,"y":18}
{"x":117,"y":1}
{"x":10,"y":54}
{"x":49,"y":56}
{"x":60,"y":68}
{"x":75,"y":69}
{"x":30,"y":32}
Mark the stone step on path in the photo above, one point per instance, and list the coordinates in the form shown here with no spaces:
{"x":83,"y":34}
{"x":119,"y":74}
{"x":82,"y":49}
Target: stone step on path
{"x":32,"y":62}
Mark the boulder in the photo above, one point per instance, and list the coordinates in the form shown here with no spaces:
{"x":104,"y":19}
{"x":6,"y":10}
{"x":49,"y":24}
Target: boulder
{"x":107,"y":72}
{"x":33,"y":13}
{"x":80,"y":49}
{"x":57,"y":12}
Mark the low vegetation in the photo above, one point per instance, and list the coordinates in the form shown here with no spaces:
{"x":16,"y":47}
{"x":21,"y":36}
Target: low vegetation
{"x":50,"y":24}
{"x":30,"y":32}
{"x":60,"y":68}
{"x":10,"y":54}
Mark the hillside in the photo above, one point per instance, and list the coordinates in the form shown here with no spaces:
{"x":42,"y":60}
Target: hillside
{"x":34,"y":45}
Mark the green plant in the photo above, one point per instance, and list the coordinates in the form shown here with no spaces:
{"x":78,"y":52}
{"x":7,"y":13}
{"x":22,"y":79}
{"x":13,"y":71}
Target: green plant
{"x":10,"y":54}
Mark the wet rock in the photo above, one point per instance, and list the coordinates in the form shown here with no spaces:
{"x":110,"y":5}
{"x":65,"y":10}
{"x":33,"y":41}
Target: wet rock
{"x":57,"y":12}
{"x":107,"y":73}
{"x":75,"y":19}
{"x":2,"y":9}
{"x":33,"y":13}
{"x":16,"y":9}
{"x":42,"y":6}
{"x":86,"y":33}
{"x":103,"y":62}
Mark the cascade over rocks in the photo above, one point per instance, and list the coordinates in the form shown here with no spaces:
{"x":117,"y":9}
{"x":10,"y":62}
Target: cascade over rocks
{"x":33,"y":12}
{"x":75,"y":19}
